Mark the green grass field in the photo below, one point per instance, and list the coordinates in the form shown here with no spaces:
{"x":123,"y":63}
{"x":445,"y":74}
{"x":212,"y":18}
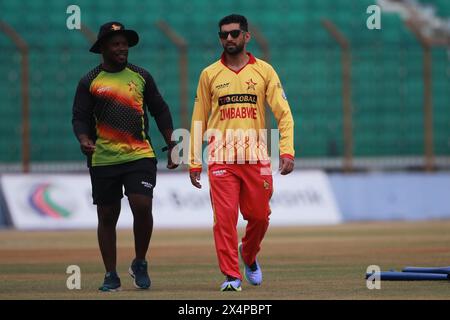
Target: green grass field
{"x":326,"y":262}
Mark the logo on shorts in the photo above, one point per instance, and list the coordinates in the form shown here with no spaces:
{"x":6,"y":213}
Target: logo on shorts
{"x":147,"y":184}
{"x":219,"y":172}
{"x":266,"y":185}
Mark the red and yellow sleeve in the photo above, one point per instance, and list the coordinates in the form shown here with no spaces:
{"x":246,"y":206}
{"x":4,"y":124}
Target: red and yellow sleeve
{"x":280,"y":107}
{"x":200,"y":114}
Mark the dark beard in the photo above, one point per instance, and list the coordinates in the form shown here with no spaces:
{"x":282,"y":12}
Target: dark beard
{"x":235,"y":50}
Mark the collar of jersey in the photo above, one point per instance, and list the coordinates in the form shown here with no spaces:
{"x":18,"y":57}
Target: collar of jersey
{"x":104,"y":70}
{"x":252,"y":60}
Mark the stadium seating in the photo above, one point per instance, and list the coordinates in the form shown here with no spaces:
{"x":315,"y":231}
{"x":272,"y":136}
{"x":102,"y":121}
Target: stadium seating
{"x":387,"y":85}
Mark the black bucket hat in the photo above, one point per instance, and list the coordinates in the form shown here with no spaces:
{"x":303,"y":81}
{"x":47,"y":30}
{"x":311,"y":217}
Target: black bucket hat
{"x":111,"y":28}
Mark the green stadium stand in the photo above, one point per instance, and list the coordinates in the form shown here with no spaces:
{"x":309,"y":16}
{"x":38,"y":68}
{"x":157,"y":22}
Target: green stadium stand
{"x":387,"y":85}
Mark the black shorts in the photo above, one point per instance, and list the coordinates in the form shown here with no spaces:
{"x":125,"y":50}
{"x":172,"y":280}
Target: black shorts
{"x":138,"y":177}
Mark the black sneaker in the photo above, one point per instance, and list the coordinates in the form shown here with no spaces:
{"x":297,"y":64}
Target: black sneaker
{"x":138,"y":272}
{"x":111,"y":282}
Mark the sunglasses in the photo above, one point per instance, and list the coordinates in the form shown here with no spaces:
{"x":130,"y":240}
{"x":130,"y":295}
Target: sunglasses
{"x":234,"y":34}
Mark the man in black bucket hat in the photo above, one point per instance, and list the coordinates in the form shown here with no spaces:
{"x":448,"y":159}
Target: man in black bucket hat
{"x":113,"y":28}
{"x":111,"y":124}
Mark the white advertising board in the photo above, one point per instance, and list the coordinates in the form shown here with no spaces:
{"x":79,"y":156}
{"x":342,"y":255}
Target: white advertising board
{"x":64,"y":201}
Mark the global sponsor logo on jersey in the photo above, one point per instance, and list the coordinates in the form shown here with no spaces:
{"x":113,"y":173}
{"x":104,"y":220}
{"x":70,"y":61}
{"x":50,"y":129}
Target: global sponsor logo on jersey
{"x":222,"y":86}
{"x":238,"y":98}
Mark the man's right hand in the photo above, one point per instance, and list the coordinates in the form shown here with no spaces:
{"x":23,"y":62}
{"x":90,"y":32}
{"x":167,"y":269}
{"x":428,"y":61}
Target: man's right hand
{"x":87,"y":145}
{"x":195,"y":178}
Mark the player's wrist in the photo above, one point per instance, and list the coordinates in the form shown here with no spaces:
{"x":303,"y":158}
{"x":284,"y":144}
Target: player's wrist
{"x":169,"y":146}
{"x":287,"y":156}
{"x":84,"y":138}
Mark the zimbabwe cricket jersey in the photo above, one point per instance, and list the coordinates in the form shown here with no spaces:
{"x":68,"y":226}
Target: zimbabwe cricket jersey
{"x":110,"y":108}
{"x":230,"y":108}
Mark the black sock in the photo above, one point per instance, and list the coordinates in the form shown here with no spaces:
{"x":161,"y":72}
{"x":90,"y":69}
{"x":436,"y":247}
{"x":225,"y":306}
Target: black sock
{"x":254,"y":267}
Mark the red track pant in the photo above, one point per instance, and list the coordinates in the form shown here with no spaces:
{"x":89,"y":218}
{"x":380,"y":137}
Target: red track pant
{"x":234,"y":187}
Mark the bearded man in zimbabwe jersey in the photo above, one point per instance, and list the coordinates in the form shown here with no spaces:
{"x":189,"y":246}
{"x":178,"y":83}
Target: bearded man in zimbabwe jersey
{"x":230,"y":111}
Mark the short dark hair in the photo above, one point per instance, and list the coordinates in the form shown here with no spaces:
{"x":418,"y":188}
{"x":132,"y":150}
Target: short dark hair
{"x":235,"y":18}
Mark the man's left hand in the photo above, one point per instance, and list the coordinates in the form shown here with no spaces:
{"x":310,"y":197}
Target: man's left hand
{"x":170,"y":164}
{"x":286,"y":166}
